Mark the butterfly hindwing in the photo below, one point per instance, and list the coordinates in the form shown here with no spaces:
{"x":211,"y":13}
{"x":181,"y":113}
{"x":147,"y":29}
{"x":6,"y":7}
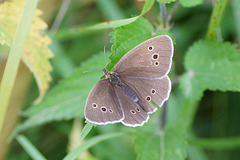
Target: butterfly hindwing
{"x":133,"y":114}
{"x":102,"y":106}
{"x":151,"y":58}
{"x":148,"y":90}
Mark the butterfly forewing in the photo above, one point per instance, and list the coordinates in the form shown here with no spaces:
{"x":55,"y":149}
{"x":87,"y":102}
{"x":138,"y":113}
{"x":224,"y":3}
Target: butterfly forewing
{"x":148,"y":90}
{"x":150,"y":59}
{"x":102,"y":106}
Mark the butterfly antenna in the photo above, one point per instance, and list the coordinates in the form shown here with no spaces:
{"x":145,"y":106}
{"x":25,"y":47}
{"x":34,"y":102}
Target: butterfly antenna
{"x":91,"y":71}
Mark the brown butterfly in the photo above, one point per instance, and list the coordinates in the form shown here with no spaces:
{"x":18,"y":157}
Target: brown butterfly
{"x":138,"y":78}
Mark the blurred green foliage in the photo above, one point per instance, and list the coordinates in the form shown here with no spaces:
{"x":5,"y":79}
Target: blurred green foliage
{"x":202,"y":115}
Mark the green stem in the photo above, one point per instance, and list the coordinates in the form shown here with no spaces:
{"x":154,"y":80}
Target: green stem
{"x":14,"y":57}
{"x":91,"y":142}
{"x":29,"y":148}
{"x":236,"y":14}
{"x":216,"y":18}
{"x":217,"y":144}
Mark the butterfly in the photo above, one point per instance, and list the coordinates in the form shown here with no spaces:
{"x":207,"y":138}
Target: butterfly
{"x":138,"y":78}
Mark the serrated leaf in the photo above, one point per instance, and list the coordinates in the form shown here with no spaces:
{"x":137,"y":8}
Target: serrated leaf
{"x":211,"y":65}
{"x":153,"y":143}
{"x":190,"y":3}
{"x":36,"y":53}
{"x":66,"y":100}
{"x":125,"y":38}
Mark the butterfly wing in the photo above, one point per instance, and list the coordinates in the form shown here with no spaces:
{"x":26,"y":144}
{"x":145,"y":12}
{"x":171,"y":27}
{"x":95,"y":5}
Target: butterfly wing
{"x":102,"y":106}
{"x":157,"y":90}
{"x":133,"y":114}
{"x":151,"y":58}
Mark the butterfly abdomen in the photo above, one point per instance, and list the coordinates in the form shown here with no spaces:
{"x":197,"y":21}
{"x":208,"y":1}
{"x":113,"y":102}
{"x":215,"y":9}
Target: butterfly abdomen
{"x":115,"y":80}
{"x":128,"y":92}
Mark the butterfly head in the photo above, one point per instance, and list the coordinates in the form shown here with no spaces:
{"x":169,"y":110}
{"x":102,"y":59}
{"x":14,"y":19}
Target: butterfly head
{"x":106,"y":73}
{"x":112,"y":77}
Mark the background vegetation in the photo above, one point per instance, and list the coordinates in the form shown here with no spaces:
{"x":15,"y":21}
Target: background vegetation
{"x":47,"y":45}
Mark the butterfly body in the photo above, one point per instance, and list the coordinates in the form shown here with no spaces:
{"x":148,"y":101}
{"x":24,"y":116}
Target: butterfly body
{"x":115,"y":80}
{"x":138,"y":78}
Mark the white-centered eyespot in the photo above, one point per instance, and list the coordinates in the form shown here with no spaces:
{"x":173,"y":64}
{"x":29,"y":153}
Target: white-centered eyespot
{"x":148,"y":98}
{"x":155,"y":56}
{"x":94,"y":105}
{"x":133,"y":112}
{"x":103,"y":109}
{"x":150,"y":48}
{"x":153,"y":91}
{"x":156,"y":63}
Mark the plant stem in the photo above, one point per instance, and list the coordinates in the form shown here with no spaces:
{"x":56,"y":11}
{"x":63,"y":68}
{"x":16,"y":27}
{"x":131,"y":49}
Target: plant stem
{"x":236,"y":15}
{"x":14,"y":57}
{"x":216,"y":18}
{"x":163,"y":13}
{"x":169,"y":18}
{"x":58,"y":20}
{"x":217,"y":143}
{"x":29,"y":148}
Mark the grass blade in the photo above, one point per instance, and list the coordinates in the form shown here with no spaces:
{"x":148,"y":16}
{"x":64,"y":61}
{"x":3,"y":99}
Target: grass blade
{"x":74,"y":154}
{"x":29,"y":148}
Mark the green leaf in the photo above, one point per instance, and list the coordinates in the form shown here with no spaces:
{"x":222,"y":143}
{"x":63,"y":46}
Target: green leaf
{"x":236,"y":8}
{"x":166,"y":1}
{"x":117,"y":23}
{"x":91,"y":142}
{"x":190,"y":3}
{"x":153,"y":143}
{"x":125,"y":38}
{"x":86,"y":129}
{"x":66,"y":100}
{"x":107,"y":25}
{"x":147,"y":142}
{"x":29,"y":148}
{"x":195,"y":152}
{"x":175,"y":140}
{"x":217,"y":143}
{"x":213,"y":66}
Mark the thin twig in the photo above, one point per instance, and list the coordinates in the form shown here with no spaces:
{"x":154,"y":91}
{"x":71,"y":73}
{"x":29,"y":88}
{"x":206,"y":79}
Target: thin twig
{"x":57,"y":22}
{"x":175,"y":81}
{"x":164,"y":115}
{"x":172,"y":12}
{"x":163,"y":13}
